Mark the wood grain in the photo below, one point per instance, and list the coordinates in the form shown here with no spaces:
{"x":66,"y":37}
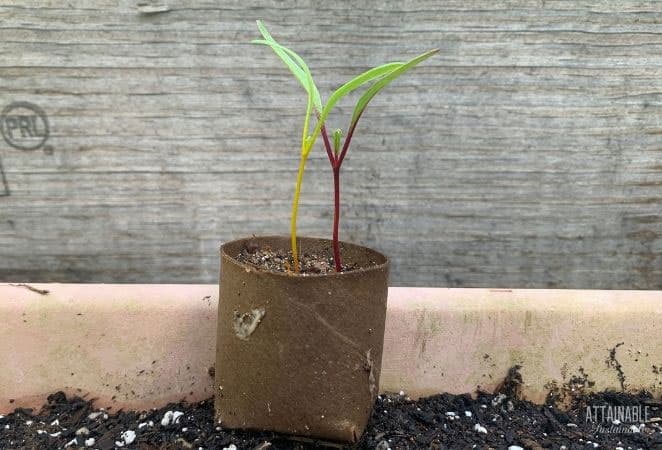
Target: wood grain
{"x":527,"y":154}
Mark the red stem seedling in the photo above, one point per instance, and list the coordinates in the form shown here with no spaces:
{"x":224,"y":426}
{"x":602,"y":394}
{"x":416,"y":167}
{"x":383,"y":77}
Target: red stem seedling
{"x":335,"y":166}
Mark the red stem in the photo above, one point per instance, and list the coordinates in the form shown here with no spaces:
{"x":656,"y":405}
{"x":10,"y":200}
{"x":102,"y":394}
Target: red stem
{"x":327,"y":145}
{"x":336,"y":162}
{"x":336,"y":217}
{"x":335,"y":165}
{"x":348,"y":139}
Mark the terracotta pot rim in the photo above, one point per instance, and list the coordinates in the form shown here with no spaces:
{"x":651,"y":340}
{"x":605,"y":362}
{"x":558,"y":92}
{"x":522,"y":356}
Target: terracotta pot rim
{"x":362,"y":270}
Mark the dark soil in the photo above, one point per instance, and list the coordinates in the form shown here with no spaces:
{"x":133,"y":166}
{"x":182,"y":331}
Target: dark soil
{"x":445,"y":421}
{"x":280,"y":261}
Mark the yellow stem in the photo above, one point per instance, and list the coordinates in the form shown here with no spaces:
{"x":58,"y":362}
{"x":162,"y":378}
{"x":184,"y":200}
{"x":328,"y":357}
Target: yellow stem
{"x":305,"y":150}
{"x":295,"y":206}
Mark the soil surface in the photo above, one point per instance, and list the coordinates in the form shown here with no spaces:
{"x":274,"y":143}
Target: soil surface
{"x":280,"y":261}
{"x":497,"y":421}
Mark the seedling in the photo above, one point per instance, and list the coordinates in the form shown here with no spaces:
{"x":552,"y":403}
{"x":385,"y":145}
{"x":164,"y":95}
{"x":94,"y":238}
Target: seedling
{"x":377,"y":78}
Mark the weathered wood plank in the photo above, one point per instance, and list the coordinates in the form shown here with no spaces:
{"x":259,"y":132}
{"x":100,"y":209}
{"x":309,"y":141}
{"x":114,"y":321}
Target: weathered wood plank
{"x":527,"y":154}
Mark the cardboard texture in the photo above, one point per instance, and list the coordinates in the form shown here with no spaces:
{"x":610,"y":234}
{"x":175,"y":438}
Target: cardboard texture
{"x":300,"y":354}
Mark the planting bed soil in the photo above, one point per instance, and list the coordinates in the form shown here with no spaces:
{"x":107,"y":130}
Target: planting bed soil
{"x":443,"y":421}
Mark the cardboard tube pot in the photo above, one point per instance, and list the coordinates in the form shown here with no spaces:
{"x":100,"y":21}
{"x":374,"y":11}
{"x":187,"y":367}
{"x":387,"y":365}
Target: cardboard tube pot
{"x":300,"y":354}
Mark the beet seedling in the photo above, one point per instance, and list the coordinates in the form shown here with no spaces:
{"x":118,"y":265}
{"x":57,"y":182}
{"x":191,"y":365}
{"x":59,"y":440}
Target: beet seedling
{"x":379,"y":76}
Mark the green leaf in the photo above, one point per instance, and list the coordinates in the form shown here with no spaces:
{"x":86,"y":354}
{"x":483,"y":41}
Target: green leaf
{"x":293,"y":62}
{"x":383,"y":82}
{"x":307,"y":79}
{"x":306,"y":140}
{"x":294,"y":68}
{"x":353,"y":84}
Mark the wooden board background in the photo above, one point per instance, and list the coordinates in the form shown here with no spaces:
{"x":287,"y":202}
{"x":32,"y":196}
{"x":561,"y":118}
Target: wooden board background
{"x":527,"y":154}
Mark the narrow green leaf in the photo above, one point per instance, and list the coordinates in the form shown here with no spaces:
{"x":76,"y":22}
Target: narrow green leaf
{"x":354,"y":84}
{"x":306,"y":140}
{"x":263,"y":31}
{"x":307,"y":78}
{"x":293,"y":62}
{"x":383,"y":82}
{"x":294,"y":68}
